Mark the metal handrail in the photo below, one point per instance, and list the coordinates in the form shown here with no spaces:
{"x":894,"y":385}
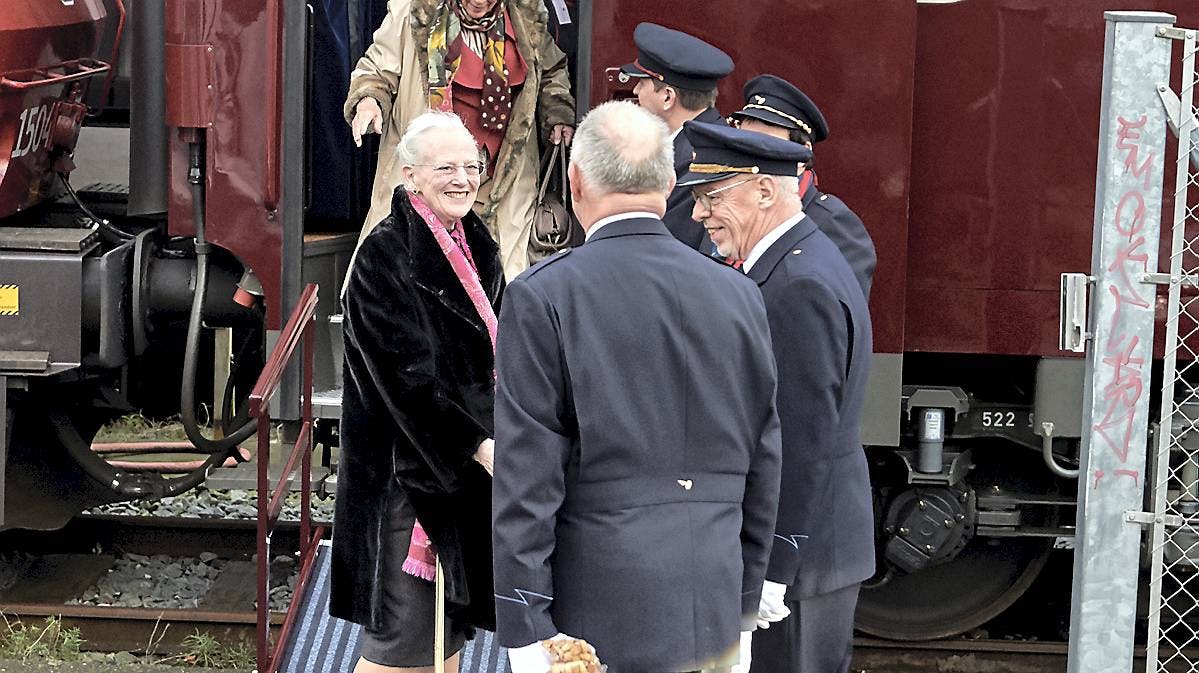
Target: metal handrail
{"x":34,"y":78}
{"x":270,"y":500}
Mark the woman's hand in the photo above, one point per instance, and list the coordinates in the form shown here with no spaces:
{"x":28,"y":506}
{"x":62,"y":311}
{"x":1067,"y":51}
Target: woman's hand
{"x":367,"y":115}
{"x":485,"y":456}
{"x":561,"y":133}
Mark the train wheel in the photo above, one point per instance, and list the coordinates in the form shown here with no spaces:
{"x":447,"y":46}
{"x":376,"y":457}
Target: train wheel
{"x":44,"y":486}
{"x":53,"y":473}
{"x":948,"y":599}
{"x":982,"y":580}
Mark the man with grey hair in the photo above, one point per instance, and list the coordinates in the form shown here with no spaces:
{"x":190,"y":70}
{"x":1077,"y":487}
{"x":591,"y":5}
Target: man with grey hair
{"x":747,"y":196}
{"x":634,"y":501}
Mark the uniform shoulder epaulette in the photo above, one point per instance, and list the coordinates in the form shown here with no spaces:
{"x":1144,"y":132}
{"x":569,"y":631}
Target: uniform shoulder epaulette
{"x":829,"y":202}
{"x":561,"y":254}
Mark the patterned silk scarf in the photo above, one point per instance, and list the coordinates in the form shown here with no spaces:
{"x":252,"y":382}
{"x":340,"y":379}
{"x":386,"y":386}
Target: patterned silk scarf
{"x":422,"y":557}
{"x":446,"y":42}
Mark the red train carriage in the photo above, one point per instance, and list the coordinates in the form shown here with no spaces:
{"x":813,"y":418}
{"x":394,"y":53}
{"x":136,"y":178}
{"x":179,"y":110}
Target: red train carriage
{"x":963,"y":133}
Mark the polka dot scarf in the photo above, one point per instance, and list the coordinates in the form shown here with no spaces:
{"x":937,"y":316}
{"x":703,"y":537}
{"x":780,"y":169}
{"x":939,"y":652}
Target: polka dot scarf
{"x":455,"y":30}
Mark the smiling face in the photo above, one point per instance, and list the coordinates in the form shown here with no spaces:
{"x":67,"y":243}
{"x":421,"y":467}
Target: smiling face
{"x":730,"y":215}
{"x":477,"y":9}
{"x":447,"y":177}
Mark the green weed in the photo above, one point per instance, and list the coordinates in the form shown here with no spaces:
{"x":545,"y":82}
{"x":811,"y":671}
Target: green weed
{"x":48,"y":640}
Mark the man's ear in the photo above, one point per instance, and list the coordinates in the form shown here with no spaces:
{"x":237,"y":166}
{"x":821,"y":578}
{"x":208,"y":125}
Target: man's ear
{"x":575,"y":178}
{"x":670,"y":98}
{"x":768,"y":187}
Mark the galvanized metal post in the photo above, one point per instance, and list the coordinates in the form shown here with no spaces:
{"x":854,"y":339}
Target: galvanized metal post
{"x":1128,"y":206}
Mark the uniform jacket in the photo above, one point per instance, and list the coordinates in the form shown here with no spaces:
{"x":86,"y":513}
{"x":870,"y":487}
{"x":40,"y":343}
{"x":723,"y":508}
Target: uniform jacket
{"x":845,"y":229}
{"x":680,"y":204}
{"x":418,"y":399}
{"x":820,"y":328}
{"x":634,"y":500}
{"x":394,"y":71}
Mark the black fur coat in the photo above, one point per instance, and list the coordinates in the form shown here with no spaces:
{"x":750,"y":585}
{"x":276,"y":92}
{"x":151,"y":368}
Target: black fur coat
{"x":417,"y":402}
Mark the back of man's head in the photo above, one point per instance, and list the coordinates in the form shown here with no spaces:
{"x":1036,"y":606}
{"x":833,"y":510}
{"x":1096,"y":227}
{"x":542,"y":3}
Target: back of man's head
{"x":620,"y":148}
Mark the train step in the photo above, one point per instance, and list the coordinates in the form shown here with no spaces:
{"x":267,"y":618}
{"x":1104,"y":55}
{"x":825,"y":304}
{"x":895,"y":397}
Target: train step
{"x":327,"y":404}
{"x":319,"y":642}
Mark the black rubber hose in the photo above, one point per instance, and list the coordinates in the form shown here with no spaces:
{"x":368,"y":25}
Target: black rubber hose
{"x":191,"y":352}
{"x":104,"y":225}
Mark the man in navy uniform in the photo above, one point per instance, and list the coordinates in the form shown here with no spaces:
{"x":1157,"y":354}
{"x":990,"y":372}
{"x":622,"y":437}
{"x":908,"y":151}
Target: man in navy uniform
{"x":745,"y":186}
{"x":634,"y":501}
{"x":677,"y":77}
{"x":776,"y":107}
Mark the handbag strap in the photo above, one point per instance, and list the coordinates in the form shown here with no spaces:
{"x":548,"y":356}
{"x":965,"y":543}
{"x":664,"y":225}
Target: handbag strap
{"x":562,"y":165}
{"x":549,"y":172}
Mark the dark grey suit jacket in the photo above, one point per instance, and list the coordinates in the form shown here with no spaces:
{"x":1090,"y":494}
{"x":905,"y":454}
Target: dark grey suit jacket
{"x":680,"y":203}
{"x":820,"y":328}
{"x":637,"y":452}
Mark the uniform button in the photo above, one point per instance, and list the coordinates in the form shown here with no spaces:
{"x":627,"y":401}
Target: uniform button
{"x":686,"y":484}
{"x":823,"y":197}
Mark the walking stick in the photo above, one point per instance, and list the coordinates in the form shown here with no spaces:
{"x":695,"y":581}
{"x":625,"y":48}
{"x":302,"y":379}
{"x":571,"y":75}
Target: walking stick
{"x":439,"y":627}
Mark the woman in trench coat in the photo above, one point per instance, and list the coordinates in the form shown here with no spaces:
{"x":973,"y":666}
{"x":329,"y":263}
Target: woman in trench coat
{"x":396,"y":80}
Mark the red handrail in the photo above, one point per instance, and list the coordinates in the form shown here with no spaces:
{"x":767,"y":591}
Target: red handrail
{"x":270,"y":500}
{"x":34,"y":78}
{"x":272,"y":371}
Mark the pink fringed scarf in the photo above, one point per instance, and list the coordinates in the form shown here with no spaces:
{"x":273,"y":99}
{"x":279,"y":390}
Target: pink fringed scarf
{"x":422,"y":557}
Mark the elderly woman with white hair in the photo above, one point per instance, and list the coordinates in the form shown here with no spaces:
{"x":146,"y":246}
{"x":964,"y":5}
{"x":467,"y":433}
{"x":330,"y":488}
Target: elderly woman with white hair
{"x":414,"y":483}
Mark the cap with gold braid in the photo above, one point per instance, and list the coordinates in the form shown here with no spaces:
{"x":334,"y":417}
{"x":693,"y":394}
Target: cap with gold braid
{"x":776,"y":101}
{"x":721,"y":152}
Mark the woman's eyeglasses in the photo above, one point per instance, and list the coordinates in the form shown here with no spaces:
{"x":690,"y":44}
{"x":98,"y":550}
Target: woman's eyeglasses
{"x":473,"y":168}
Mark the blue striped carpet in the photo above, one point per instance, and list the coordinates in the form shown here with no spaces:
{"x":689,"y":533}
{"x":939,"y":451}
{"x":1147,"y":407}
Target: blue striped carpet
{"x":319,"y":642}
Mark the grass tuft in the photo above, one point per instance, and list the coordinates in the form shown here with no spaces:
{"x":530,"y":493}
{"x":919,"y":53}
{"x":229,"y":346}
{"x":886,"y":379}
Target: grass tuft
{"x":48,"y":640}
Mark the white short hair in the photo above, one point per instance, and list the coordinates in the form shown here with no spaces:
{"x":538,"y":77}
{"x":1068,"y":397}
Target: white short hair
{"x":790,"y":183}
{"x":412,"y":149}
{"x":621,"y":148}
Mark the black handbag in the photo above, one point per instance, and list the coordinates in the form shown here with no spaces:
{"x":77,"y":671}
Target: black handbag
{"x":554,"y":226}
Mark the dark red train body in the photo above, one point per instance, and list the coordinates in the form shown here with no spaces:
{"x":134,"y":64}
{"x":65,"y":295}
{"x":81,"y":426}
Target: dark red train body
{"x":963,"y":133}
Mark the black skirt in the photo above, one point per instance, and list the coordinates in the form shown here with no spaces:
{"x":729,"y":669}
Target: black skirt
{"x":405,"y":636}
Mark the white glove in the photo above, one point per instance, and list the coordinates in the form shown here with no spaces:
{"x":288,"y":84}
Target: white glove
{"x":742,"y":665}
{"x":485,"y":455}
{"x":772,"y":608}
{"x":532,"y":658}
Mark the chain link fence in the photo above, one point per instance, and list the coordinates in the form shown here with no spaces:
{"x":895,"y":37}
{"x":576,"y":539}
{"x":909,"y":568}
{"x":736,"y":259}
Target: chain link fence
{"x":1173,"y":632}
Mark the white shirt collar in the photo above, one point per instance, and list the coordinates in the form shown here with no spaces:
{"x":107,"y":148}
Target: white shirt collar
{"x":768,"y":240}
{"x":636,"y":214}
{"x":676,"y":133}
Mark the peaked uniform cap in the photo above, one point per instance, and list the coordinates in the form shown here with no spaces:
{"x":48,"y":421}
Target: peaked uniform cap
{"x":776,"y":101}
{"x":723,"y":151}
{"x":676,"y":58}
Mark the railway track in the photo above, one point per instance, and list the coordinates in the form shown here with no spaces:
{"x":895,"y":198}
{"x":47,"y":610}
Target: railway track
{"x":873,"y":655}
{"x":47,"y":569}
{"x":71,"y":559}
